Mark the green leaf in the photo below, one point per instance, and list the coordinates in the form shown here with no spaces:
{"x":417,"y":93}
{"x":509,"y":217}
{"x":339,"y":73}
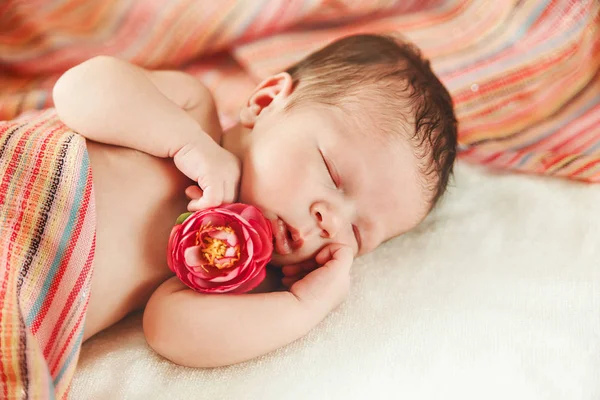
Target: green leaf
{"x":182,"y":218}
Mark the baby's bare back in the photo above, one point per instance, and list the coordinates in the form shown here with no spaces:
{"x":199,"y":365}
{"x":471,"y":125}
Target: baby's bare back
{"x":138,"y":198}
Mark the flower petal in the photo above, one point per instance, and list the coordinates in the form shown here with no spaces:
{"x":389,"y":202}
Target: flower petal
{"x":251,"y":283}
{"x":236,"y":208}
{"x":228,"y":276}
{"x":229,"y":237}
{"x":265,"y":251}
{"x":193,"y":256}
{"x":231,"y":252}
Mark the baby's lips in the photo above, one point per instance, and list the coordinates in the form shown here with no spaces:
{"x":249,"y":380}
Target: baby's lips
{"x":274,"y":226}
{"x":296,"y":244}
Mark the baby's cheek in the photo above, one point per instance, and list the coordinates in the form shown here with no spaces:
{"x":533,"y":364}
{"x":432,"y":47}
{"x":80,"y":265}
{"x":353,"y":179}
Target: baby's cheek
{"x":246,"y":193}
{"x":258,"y":192}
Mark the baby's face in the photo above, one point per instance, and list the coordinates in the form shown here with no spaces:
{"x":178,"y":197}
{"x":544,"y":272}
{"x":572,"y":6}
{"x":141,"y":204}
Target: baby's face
{"x":319,"y":180}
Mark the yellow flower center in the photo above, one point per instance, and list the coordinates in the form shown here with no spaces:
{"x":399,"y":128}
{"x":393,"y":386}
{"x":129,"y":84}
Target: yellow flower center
{"x":215,"y":249}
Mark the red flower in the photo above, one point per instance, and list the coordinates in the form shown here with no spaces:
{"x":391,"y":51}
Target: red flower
{"x":221,"y":250}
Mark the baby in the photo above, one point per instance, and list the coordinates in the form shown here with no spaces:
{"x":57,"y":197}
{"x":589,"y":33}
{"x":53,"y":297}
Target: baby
{"x":349,"y":147}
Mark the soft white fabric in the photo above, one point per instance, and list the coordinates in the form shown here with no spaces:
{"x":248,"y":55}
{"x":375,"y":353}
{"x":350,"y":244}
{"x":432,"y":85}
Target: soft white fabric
{"x":495,"y":296}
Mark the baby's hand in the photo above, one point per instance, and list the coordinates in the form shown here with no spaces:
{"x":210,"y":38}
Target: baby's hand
{"x":216,"y":170}
{"x":326,"y":286}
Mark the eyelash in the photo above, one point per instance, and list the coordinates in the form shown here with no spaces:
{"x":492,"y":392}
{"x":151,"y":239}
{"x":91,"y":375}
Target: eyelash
{"x":331,"y":175}
{"x":336,"y":182}
{"x":356,"y":235}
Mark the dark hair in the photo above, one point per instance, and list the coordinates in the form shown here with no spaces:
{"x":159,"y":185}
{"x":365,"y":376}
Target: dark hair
{"x":394,"y":72}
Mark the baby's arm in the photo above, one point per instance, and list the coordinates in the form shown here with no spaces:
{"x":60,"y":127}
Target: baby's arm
{"x":198,"y":330}
{"x":158,"y":112}
{"x":162,"y":113}
{"x":191,"y":95}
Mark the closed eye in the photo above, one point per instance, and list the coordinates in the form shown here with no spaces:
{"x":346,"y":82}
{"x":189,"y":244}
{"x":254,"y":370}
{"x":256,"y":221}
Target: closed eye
{"x":357,"y":237}
{"x":331,"y":170}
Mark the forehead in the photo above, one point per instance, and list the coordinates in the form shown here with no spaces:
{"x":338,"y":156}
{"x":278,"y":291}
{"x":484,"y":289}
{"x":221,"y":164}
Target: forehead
{"x":380,"y":174}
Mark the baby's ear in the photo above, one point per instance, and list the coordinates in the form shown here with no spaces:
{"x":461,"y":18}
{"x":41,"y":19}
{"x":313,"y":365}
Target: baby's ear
{"x":271,"y":92}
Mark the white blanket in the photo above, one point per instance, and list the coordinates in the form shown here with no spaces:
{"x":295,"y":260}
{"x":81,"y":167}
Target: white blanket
{"x":495,"y":296}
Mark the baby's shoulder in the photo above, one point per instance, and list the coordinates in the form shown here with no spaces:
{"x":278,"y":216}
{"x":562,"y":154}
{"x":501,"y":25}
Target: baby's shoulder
{"x":192,"y":95}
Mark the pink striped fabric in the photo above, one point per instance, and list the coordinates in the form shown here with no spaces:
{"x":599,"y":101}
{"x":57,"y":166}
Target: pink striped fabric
{"x":522,"y":73}
{"x":47,"y":239}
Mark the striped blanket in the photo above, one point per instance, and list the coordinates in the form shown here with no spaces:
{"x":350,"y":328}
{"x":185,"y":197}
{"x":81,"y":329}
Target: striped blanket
{"x":47,"y":237}
{"x":523,"y":73}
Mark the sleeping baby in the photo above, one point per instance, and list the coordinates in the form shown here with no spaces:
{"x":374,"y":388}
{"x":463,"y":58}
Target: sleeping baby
{"x":349,"y":147}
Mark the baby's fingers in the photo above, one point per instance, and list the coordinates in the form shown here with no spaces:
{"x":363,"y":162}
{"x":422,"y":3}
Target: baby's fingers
{"x":291,"y":270}
{"x":327,"y":286}
{"x":193,"y":192}
{"x":288,"y":281}
{"x":229,"y":193}
{"x":336,"y":253}
{"x":212,"y":196}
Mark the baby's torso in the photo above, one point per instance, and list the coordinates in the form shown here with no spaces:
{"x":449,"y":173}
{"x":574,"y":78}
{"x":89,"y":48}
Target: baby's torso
{"x":138,"y":198}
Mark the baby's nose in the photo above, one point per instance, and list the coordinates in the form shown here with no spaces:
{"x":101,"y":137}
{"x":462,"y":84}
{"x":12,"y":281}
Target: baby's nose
{"x":326,"y":220}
